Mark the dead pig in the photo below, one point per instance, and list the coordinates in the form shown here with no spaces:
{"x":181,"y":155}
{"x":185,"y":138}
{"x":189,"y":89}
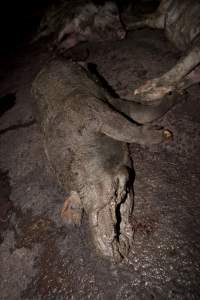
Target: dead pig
{"x":180,"y":20}
{"x":73,"y":24}
{"x":85,"y":140}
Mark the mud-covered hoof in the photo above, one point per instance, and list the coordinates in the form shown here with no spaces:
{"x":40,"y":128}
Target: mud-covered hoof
{"x":168,"y":135}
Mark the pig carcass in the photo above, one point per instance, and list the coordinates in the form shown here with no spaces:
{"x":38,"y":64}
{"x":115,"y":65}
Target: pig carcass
{"x":72,"y":23}
{"x":180,"y":20}
{"x":86,"y":134}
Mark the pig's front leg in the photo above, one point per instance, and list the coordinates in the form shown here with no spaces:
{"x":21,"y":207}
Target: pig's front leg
{"x":132,"y":107}
{"x":141,"y":113}
{"x":157,"y":88}
{"x":116,"y":126}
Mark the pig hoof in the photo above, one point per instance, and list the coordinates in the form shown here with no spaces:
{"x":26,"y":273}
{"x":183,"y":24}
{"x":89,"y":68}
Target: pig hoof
{"x":72,"y":210}
{"x":151,"y":135}
{"x":167,"y":134}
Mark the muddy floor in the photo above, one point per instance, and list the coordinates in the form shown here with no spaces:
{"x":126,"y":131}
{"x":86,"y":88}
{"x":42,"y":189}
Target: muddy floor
{"x":41,"y":258}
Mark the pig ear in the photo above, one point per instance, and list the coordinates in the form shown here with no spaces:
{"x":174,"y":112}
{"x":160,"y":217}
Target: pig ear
{"x":72,"y":210}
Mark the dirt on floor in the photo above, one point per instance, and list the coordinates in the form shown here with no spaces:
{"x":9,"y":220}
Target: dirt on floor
{"x":41,"y":258}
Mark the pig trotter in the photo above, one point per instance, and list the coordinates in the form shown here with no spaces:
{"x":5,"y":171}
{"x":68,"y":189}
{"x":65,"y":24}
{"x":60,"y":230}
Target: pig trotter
{"x":155,"y":134}
{"x":167,"y":134}
{"x":72,"y":210}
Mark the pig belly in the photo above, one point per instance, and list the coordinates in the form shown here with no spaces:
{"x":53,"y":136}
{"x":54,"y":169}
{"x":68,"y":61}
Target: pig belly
{"x":183,"y":23}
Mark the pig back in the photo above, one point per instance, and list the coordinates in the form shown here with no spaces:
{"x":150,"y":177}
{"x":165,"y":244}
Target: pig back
{"x":71,"y":113}
{"x":53,"y":85}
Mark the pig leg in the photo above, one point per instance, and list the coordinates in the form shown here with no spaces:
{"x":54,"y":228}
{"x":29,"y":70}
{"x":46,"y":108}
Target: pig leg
{"x":116,"y":126}
{"x":133,"y":108}
{"x":145,"y":113}
{"x":156,"y":88}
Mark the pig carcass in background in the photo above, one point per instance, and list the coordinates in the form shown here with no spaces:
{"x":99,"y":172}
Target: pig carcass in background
{"x":70,"y":23}
{"x":180,"y":20}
